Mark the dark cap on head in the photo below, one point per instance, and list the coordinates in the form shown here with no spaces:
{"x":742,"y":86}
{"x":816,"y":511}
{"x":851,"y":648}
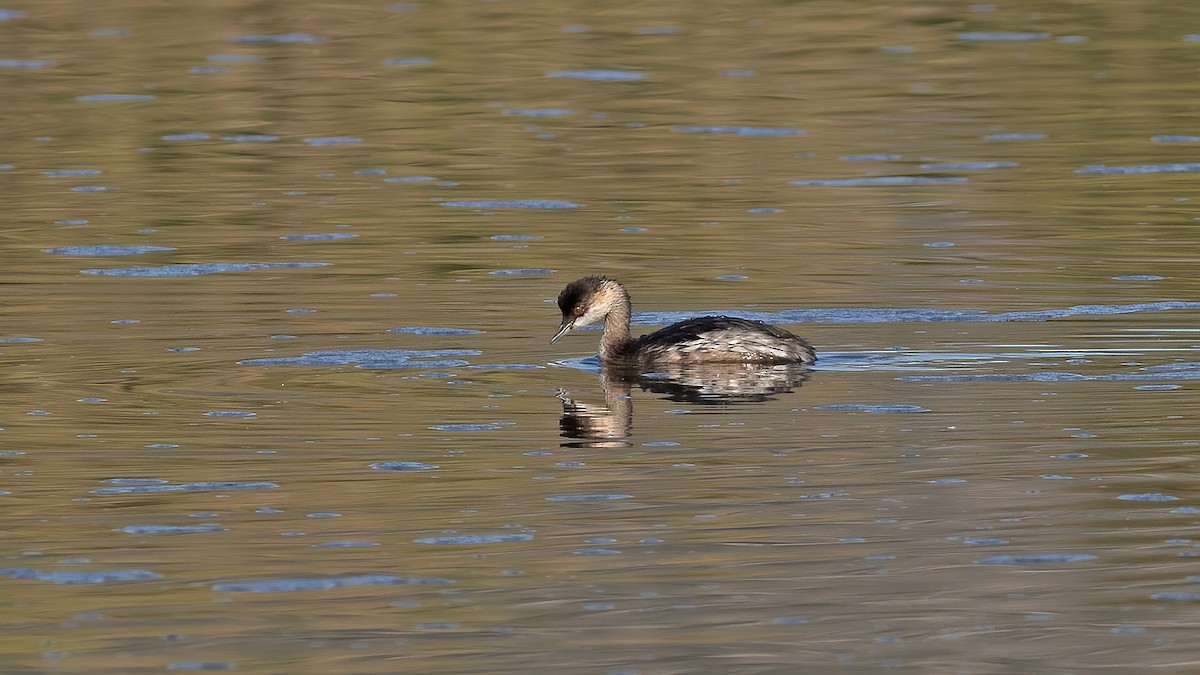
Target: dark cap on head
{"x":572,"y":299}
{"x":581,"y":297}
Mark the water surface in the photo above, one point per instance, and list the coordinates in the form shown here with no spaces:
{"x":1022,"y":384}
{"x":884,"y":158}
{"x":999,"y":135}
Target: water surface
{"x":279,"y":283}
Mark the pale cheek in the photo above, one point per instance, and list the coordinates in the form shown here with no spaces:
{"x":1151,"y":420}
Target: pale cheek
{"x":589,"y":317}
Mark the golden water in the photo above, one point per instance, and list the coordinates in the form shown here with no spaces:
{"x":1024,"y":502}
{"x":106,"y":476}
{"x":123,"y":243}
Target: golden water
{"x":759,"y":536}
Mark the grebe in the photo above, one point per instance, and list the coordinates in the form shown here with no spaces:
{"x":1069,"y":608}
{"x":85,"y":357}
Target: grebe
{"x":708,"y":339}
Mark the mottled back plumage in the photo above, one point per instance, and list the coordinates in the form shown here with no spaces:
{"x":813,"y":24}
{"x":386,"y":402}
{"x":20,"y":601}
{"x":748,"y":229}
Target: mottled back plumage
{"x":724,"y":339}
{"x":709,"y":339}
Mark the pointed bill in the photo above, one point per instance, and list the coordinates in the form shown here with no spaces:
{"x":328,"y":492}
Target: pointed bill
{"x":562,"y":330}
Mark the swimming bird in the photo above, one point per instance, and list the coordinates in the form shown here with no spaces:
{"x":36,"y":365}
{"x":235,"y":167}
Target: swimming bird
{"x":707,"y":339}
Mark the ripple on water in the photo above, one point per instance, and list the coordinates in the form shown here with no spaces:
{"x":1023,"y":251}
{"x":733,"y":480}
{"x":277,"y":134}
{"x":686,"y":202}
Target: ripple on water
{"x":968,"y":166}
{"x":880,"y":180}
{"x":1147,"y":497}
{"x":323,"y":583}
{"x":984,"y":541}
{"x":514,"y":204}
{"x":403,"y":466}
{"x":1054,"y":376}
{"x":275,"y":39}
{"x":485,"y":426}
{"x":193,"y":136}
{"x":203,"y":486}
{"x":103,"y":251}
{"x":1139,"y":277}
{"x":836,"y":315}
{"x":591,"y":497}
{"x":79,"y":578}
{"x":234,"y":58}
{"x":57,"y":173}
{"x":250,"y":138}
{"x":597,"y":75}
{"x":333,"y":140}
{"x":824,"y":495}
{"x":472,"y":539}
{"x":195,"y":269}
{"x":362,"y":358}
{"x":734,"y":130}
{"x":19,"y":340}
{"x":869,"y":158}
{"x":241,"y":414}
{"x":408,"y":61}
{"x":1036,"y":559}
{"x":1181,"y":167}
{"x":114,"y":98}
{"x":410,"y":179}
{"x":433,"y":330}
{"x":539,"y":112}
{"x":1165,"y":367}
{"x":1015,"y":137}
{"x":323,"y":236}
{"x":1176,"y":596}
{"x":515,"y":237}
{"x":874,"y":408}
{"x":521,"y":272}
{"x":28,"y":64}
{"x":1002,"y":37}
{"x":171,"y":529}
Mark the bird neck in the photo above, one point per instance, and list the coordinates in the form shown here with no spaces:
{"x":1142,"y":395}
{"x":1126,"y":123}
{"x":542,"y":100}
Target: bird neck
{"x":616,"y":341}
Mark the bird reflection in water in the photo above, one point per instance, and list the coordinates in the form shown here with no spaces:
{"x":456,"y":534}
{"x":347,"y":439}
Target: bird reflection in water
{"x":609,"y":425}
